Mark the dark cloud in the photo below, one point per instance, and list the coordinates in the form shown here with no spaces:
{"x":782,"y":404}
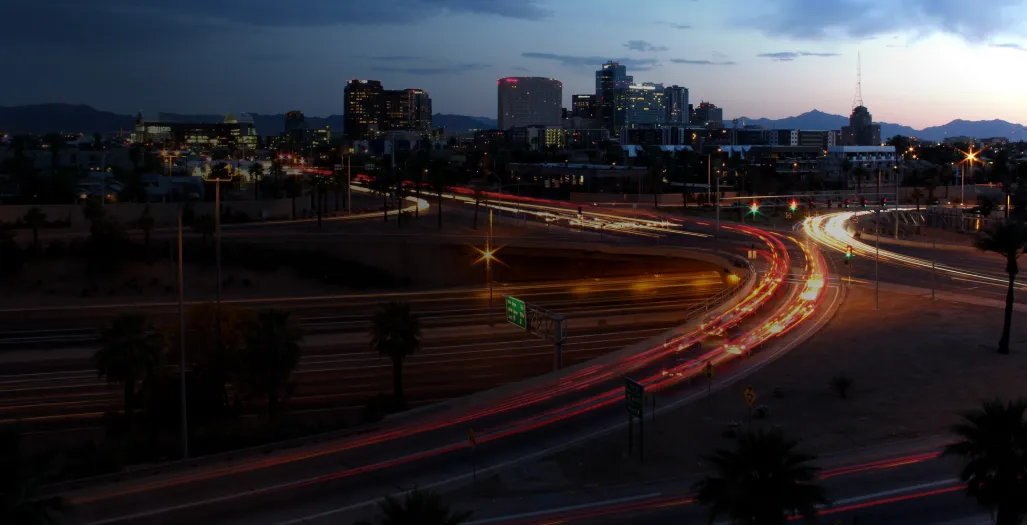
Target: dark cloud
{"x":692,"y":62}
{"x":637,"y":64}
{"x":674,"y":25}
{"x":787,"y":56}
{"x":396,"y":58}
{"x":431,"y":70}
{"x":643,"y":46}
{"x":819,"y":19}
{"x":522,"y":69}
{"x":1010,"y":45}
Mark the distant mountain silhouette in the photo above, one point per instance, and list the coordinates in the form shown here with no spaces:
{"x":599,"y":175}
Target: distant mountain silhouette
{"x":818,"y":120}
{"x":46,"y":118}
{"x":68,"y":118}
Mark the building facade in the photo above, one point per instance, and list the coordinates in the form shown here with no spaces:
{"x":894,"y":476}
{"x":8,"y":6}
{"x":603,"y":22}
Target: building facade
{"x":529,"y":101}
{"x":640,"y":105}
{"x":841,"y":163}
{"x":861,"y":130}
{"x":708,"y":114}
{"x":234,"y":131}
{"x":583,"y":106}
{"x":675,"y":99}
{"x":363,"y":101}
{"x":611,"y":78}
{"x":406,"y":110}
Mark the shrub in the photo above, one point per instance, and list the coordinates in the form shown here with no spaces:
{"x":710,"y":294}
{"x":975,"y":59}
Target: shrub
{"x":761,"y":412}
{"x":841,"y":384}
{"x":732,"y":429}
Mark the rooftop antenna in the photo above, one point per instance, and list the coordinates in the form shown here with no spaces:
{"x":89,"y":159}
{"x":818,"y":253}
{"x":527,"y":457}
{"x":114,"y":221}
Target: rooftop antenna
{"x":858,"y":101}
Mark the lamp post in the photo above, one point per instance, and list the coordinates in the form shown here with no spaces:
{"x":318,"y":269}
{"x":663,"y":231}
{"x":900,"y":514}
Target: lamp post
{"x":181,"y":345}
{"x":969,"y":157}
{"x":217,"y":231}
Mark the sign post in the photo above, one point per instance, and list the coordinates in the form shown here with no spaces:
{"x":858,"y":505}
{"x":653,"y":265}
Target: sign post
{"x":634,"y":402}
{"x":516,"y":313}
{"x":750,"y":399}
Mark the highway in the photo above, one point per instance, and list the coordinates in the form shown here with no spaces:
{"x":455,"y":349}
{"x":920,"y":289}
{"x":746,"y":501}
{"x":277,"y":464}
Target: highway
{"x":527,"y":417}
{"x":965,"y":272}
{"x":58,"y":390}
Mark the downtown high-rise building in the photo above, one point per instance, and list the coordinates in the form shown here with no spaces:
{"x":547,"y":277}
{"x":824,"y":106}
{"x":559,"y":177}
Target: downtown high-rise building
{"x":406,"y":110}
{"x":364,"y":108}
{"x":675,"y":100}
{"x":529,"y":101}
{"x":641,"y":105}
{"x":583,"y":106}
{"x":610,"y":78}
{"x":861,"y":130}
{"x":708,"y":114}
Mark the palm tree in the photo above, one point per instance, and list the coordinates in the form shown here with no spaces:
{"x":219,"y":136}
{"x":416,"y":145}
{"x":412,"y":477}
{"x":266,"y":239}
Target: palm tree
{"x":256,"y":175}
{"x":418,"y":507}
{"x":35,"y":218}
{"x":382,"y":185}
{"x":858,"y":173}
{"x":277,"y":172}
{"x":1008,"y":239}
{"x":272,"y":353}
{"x":55,"y":142}
{"x":146,"y":224}
{"x":762,"y":481}
{"x":132,"y":352}
{"x":396,"y":334}
{"x":19,"y":501}
{"x":916,"y":195}
{"x":216,"y":342}
{"x":439,"y":180}
{"x":993,"y":447}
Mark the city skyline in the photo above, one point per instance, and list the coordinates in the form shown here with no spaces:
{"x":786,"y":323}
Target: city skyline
{"x":755,"y":59}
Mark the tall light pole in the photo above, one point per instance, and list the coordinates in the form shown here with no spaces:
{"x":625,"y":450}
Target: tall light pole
{"x":969,"y":157}
{"x":181,"y":344}
{"x":349,"y":182}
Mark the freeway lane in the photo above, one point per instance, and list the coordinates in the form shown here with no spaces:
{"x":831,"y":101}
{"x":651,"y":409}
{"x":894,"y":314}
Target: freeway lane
{"x":338,"y":374}
{"x":419,"y":452}
{"x":74,"y":325}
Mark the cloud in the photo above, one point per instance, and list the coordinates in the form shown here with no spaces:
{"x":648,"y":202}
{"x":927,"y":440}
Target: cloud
{"x":432,"y":70}
{"x":674,"y":25}
{"x":1010,"y":45}
{"x":522,"y":69}
{"x":702,"y":62}
{"x":637,"y":64}
{"x":643,"y":46}
{"x":858,"y":19}
{"x":787,"y":56}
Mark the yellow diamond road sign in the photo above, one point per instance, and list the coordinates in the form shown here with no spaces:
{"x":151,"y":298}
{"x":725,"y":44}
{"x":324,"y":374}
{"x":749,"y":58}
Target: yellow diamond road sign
{"x":750,"y":395}
{"x":708,"y":370}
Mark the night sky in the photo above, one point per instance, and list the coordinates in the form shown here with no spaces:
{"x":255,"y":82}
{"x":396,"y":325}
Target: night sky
{"x":925,"y":62}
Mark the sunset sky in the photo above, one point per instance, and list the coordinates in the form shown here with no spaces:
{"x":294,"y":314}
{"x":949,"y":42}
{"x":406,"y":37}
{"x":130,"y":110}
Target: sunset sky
{"x":924,"y":62}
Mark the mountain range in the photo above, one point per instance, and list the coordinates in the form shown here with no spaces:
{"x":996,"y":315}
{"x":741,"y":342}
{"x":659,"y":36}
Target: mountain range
{"x":68,"y":118}
{"x":45,"y":118}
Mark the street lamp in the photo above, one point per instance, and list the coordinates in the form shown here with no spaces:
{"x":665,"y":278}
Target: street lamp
{"x":488,"y":255}
{"x":969,"y":157}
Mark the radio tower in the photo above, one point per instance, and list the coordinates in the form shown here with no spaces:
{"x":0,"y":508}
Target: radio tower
{"x":858,"y":101}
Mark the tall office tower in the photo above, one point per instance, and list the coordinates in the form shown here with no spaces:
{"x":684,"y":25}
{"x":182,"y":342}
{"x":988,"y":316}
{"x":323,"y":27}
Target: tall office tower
{"x":363,"y":101}
{"x":407,"y":109}
{"x":583,"y":106}
{"x":708,"y":114}
{"x":530,"y":101}
{"x":675,"y":98}
{"x":642,"y":105}
{"x":611,"y":78}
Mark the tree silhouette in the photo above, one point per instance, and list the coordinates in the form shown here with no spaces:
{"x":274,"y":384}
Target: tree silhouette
{"x":418,"y":507}
{"x":132,"y":352}
{"x":762,"y":481}
{"x":272,"y":353}
{"x":256,"y":175}
{"x":35,"y":218}
{"x":396,"y":334}
{"x":216,"y":342}
{"x":1008,"y":239}
{"x":146,"y":223}
{"x":993,"y":447}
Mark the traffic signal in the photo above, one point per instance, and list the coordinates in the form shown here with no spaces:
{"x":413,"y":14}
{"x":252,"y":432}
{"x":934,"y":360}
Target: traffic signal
{"x":812,"y":204}
{"x":864,"y":203}
{"x":829,"y":204}
{"x":846,"y":204}
{"x":754,"y":207}
{"x":848,"y":253}
{"x":792,"y":206}
{"x":884,"y":203}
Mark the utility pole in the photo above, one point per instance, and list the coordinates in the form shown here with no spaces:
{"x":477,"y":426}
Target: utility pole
{"x":877,"y":246}
{"x":181,"y":344}
{"x":349,"y":182}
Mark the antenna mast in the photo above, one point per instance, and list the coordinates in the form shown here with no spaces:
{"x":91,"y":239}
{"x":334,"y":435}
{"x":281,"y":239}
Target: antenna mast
{"x":858,"y":101}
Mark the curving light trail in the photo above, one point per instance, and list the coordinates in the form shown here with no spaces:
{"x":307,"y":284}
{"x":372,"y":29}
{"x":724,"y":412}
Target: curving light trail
{"x":830,"y":230}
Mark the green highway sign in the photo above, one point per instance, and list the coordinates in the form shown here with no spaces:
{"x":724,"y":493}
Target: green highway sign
{"x":634,"y":397}
{"x":516,"y":313}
